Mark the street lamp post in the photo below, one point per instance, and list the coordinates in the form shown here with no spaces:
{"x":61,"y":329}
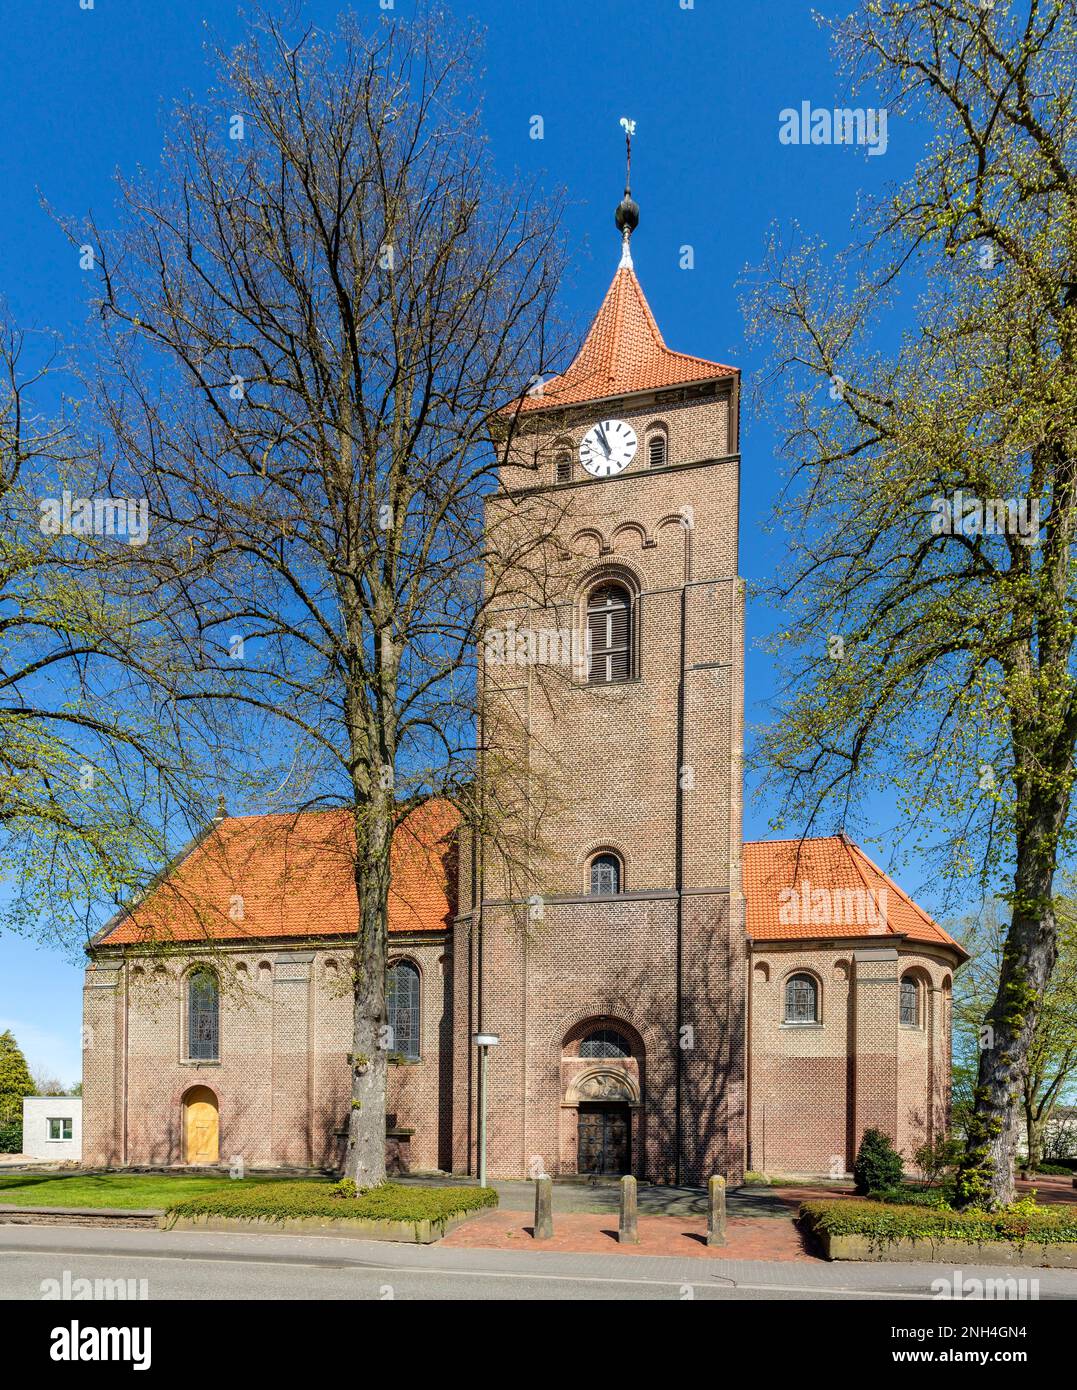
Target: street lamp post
{"x":484,"y":1042}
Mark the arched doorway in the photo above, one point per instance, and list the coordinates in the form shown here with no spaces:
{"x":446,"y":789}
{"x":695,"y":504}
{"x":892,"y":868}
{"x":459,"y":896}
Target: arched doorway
{"x":601,"y":1129}
{"x":200,"y":1126}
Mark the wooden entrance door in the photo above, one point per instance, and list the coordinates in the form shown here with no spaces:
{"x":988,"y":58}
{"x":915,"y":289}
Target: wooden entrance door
{"x":200,"y":1126}
{"x":604,"y":1140}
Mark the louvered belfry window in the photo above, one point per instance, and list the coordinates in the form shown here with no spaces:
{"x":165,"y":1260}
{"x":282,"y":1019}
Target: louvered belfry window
{"x":656,"y":450}
{"x":609,"y":627}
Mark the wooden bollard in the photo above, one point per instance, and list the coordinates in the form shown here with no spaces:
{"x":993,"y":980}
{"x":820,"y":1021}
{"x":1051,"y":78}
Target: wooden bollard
{"x":627,"y":1226}
{"x":543,"y":1208}
{"x":716,"y":1211}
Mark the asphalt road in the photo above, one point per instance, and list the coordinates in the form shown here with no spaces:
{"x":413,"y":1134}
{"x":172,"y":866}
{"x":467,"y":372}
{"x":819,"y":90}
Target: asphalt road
{"x":200,"y":1265}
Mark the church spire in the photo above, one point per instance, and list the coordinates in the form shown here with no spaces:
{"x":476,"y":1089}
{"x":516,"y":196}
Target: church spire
{"x":627,"y":216}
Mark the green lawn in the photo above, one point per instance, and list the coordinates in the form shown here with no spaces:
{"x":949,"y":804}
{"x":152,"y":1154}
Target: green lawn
{"x":125,"y":1189}
{"x":265,"y":1195}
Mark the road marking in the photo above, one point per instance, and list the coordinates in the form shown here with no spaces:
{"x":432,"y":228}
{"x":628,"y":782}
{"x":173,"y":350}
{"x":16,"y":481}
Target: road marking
{"x":718,"y":1281}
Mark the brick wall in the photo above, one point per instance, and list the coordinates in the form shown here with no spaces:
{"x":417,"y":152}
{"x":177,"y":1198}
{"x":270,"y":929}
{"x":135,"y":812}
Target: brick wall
{"x":815,"y":1088}
{"x":282,"y":1082}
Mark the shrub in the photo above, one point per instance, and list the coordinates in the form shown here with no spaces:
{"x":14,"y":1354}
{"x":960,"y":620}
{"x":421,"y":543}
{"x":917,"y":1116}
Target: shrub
{"x":878,"y":1165}
{"x":884,"y":1222}
{"x":935,"y":1158}
{"x":11,"y":1137}
{"x":345,"y":1188}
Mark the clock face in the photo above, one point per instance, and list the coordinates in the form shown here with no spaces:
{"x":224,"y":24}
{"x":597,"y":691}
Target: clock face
{"x":608,"y":448}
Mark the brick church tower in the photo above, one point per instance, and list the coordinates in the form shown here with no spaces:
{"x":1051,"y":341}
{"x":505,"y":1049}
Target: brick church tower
{"x":604,"y":941}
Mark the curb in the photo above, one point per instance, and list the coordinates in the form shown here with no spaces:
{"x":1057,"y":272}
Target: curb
{"x":947,"y":1252}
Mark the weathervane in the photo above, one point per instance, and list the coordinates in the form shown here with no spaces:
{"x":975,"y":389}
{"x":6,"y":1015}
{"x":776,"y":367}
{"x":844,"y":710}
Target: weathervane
{"x":627,"y":216}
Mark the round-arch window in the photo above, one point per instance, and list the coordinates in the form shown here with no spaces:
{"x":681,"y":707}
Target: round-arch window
{"x":801,"y":999}
{"x":910,"y":1002}
{"x":605,"y":874}
{"x":609,"y":627}
{"x":402,"y":1001}
{"x":203,"y":1017}
{"x":605,"y":1042}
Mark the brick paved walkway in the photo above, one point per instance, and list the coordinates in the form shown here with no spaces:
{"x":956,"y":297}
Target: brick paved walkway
{"x":749,"y":1238}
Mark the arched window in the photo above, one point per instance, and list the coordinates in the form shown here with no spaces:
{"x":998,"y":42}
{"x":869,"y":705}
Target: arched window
{"x":657,"y":452}
{"x":910,"y":1001}
{"x":563,"y":467}
{"x":402,"y":998}
{"x":203,"y":1017}
{"x":605,"y":874}
{"x":609,"y":628}
{"x":801,"y":999}
{"x":605,"y":1042}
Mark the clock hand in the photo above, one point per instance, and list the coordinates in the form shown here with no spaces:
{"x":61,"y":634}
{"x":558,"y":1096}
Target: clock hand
{"x":605,"y":441}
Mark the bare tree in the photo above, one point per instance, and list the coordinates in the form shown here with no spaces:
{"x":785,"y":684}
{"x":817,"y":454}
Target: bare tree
{"x":317,"y":316}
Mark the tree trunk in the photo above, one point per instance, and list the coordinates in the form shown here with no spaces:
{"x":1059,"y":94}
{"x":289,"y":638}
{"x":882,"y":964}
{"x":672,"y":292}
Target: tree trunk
{"x":985,"y":1174}
{"x":1034,"y":1130}
{"x":364,"y":1160}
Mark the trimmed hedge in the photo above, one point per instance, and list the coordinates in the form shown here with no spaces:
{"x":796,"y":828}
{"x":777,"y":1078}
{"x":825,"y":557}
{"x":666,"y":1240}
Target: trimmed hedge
{"x":940,"y":1197}
{"x":391,"y":1202}
{"x":886,"y":1221}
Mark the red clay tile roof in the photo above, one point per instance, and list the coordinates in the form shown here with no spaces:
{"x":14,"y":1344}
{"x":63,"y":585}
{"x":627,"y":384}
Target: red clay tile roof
{"x":622,"y":353}
{"x":827,"y":887}
{"x":292,"y":875}
{"x":257,"y":877}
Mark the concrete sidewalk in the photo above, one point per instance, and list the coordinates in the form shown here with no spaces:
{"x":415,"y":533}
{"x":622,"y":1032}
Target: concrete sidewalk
{"x":603,"y":1195}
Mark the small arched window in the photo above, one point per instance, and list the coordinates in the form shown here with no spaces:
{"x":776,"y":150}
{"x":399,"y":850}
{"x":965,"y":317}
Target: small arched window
{"x":402,"y":999}
{"x":910,"y":1001}
{"x":605,"y":1042}
{"x":563,"y":467}
{"x":609,"y":628}
{"x":657,"y":451}
{"x":203,"y":1017}
{"x":605,"y":874}
{"x":801,"y":999}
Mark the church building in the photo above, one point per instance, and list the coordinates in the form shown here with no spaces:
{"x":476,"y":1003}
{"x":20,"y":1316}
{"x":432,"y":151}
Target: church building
{"x":668,"y":1000}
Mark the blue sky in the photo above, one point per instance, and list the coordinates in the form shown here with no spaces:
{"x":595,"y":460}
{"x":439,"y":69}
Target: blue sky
{"x":84,"y":93}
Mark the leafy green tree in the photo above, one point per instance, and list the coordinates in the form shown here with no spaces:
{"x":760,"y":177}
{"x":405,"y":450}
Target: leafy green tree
{"x":932,"y":491}
{"x":1051,"y":1073}
{"x":15,"y":1080}
{"x":97,"y":758}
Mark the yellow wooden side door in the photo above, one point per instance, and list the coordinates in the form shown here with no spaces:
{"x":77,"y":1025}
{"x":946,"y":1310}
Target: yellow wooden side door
{"x":202,"y":1135}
